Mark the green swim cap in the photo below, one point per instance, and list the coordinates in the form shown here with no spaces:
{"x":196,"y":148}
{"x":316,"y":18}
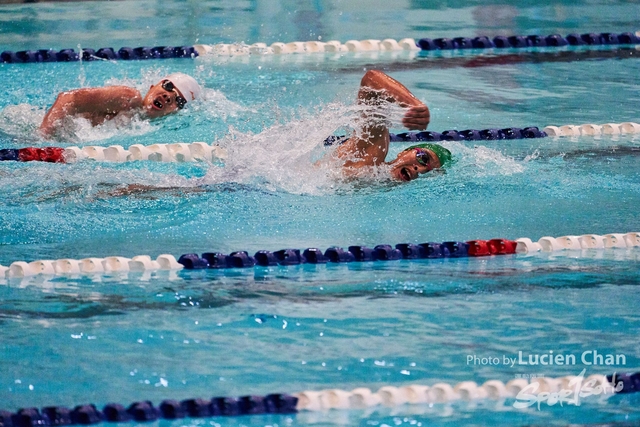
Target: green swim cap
{"x":443,"y":154}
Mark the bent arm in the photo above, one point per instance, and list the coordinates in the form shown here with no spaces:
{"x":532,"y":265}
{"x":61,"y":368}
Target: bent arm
{"x":371,"y":147}
{"x":376,"y":84}
{"x":102,"y":102}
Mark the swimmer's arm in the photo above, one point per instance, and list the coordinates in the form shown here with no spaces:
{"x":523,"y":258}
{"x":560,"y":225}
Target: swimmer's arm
{"x":377,"y":85}
{"x":106,"y":101}
{"x":372,"y":146}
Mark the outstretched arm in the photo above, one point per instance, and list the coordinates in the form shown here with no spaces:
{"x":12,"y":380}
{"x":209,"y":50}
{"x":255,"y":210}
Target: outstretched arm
{"x":99,"y":103}
{"x":371,"y":147}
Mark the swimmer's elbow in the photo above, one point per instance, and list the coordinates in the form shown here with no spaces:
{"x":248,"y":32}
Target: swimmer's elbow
{"x":65,"y":98}
{"x":371,"y":78}
{"x":49,"y":127}
{"x":45,"y":127}
{"x":62,"y":106}
{"x":45,"y":131}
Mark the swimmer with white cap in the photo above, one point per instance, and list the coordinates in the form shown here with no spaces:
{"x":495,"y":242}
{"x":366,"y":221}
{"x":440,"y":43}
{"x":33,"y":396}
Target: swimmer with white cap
{"x":98,"y":105}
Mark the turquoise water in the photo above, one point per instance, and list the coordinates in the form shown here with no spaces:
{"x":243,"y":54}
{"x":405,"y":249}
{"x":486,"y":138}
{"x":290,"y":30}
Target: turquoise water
{"x":72,"y":340}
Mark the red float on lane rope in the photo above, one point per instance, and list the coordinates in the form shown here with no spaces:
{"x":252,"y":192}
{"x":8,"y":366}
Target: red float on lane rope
{"x":478,"y":248}
{"x":502,"y":246}
{"x":46,"y":154}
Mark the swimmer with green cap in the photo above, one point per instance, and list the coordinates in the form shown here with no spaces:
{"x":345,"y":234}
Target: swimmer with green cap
{"x":427,"y":157}
{"x":370,"y":147}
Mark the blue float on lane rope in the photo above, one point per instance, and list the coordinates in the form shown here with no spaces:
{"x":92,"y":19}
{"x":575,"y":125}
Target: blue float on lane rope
{"x":519,"y":42}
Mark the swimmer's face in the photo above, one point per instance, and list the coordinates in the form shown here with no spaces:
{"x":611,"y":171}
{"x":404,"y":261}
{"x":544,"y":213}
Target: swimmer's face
{"x":411,"y":163}
{"x":163,"y":98}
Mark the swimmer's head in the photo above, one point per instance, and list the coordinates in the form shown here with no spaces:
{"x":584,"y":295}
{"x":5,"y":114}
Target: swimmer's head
{"x":419,"y":159}
{"x":171,"y":94}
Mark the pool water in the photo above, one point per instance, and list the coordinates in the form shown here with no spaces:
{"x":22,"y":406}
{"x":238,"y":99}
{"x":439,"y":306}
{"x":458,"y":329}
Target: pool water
{"x":68,"y":340}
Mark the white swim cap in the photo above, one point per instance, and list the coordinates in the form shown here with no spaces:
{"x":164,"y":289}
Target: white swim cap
{"x":187,"y":85}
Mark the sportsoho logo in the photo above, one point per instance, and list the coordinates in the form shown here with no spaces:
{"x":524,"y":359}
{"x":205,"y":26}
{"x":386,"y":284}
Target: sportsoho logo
{"x":578,"y":389}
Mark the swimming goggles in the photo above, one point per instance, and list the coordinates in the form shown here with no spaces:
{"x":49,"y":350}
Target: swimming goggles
{"x":422,"y":157}
{"x":170,"y":87}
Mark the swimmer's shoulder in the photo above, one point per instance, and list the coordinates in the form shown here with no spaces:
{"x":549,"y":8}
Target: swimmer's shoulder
{"x":111,"y":99}
{"x":124,"y":91}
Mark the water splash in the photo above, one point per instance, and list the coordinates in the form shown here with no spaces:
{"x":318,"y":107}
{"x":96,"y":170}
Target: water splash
{"x":282,"y":157}
{"x":291,"y":157}
{"x":21,"y":122}
{"x":480,"y":161}
{"x":39,"y":181}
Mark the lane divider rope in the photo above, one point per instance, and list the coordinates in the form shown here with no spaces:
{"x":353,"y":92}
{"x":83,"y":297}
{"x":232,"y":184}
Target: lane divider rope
{"x":264,"y":258}
{"x":359,"y":398}
{"x":332,"y":46}
{"x":425,"y":44}
{"x":593,"y":130}
{"x":362,"y":398}
{"x":144,"y":411}
{"x":222,"y":49}
{"x":102,"y":54}
{"x":455,"y":135}
{"x":178,"y":152}
{"x":90,"y":266}
{"x":201,"y":151}
{"x":553,"y":40}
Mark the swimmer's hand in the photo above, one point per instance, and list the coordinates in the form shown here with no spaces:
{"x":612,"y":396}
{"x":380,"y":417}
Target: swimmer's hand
{"x":417,"y":118}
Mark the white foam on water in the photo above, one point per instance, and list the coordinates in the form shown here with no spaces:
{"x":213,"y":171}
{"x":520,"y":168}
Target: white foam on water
{"x":284,"y":156}
{"x":85,"y":182}
{"x":480,"y":161}
{"x":21,"y":121}
{"x":216,"y":104}
{"x":81,"y":131}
